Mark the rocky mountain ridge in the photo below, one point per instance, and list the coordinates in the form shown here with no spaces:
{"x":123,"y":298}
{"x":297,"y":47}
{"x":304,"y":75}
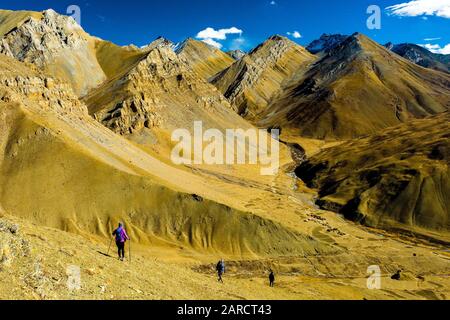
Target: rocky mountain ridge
{"x":357,"y":88}
{"x":250,"y":83}
{"x":421,"y":56}
{"x":57,"y":44}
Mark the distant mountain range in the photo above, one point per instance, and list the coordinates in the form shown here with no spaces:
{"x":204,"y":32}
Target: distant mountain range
{"x":326,"y":43}
{"x":421,"y":56}
{"x":332,"y":95}
{"x":236,"y":54}
{"x":414,"y":53}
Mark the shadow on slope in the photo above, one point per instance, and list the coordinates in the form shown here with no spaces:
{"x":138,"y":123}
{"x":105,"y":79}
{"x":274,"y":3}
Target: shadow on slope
{"x":399,"y":178}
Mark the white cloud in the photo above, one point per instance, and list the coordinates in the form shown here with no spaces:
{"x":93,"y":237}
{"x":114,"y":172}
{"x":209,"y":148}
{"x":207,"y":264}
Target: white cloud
{"x":212,"y":36}
{"x":431,"y":39}
{"x":445,"y":50}
{"x":273,"y":3}
{"x":210,"y":33}
{"x":294,"y":34}
{"x":431,"y":47}
{"x":213,"y":43}
{"x":238,"y":44}
{"x":435,"y":48}
{"x":439,"y":8}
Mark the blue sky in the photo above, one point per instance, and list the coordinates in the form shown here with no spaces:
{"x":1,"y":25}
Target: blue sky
{"x":139,"y":22}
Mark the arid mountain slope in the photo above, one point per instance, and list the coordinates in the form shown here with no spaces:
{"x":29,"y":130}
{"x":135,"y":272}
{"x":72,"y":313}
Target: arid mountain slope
{"x":54,"y":43}
{"x":398,"y":178}
{"x":10,"y":20}
{"x":115,"y":60}
{"x":161,"y":92}
{"x":204,"y":59}
{"x":251,"y":82}
{"x":75,"y":163}
{"x":61,"y":168}
{"x":356,"y":89}
{"x":36,"y":260}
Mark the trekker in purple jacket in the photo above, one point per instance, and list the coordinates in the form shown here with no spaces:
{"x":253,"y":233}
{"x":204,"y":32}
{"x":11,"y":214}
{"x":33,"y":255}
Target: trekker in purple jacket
{"x":121,"y":237}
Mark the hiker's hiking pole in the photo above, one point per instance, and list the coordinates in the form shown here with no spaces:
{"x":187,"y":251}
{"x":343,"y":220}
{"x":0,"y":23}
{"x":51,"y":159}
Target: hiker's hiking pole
{"x":110,"y":243}
{"x":129,"y":250}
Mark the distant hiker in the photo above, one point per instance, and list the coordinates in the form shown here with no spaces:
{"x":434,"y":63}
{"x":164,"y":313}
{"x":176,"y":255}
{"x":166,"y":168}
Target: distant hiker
{"x":220,"y":270}
{"x":272,"y":279}
{"x":121,"y":237}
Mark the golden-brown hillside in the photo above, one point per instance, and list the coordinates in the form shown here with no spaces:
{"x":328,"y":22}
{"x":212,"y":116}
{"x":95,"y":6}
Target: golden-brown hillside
{"x":357,"y":89}
{"x":205,"y":60}
{"x":251,"y":82}
{"x":54,"y":43}
{"x":115,"y":60}
{"x":157,"y":95}
{"x":398,"y":178}
{"x":82,"y":149}
{"x":60,"y":168}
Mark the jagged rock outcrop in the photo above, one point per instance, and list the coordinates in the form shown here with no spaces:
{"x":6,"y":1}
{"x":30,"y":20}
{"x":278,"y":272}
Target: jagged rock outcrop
{"x":161,"y":91}
{"x":56,"y":44}
{"x":236,"y":54}
{"x":326,"y":43}
{"x":131,"y":115}
{"x":12,"y":245}
{"x":48,"y":92}
{"x":251,"y":82}
{"x":18,"y":83}
{"x":158,"y":43}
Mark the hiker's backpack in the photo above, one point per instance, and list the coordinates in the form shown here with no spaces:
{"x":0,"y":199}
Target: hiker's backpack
{"x":220,"y":266}
{"x":120,"y":236}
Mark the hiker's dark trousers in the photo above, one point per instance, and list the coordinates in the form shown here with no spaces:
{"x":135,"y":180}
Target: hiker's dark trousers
{"x":121,"y":249}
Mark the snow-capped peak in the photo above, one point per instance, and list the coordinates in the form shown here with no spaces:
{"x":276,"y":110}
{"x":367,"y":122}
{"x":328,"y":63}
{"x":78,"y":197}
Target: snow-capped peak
{"x":326,"y":43}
